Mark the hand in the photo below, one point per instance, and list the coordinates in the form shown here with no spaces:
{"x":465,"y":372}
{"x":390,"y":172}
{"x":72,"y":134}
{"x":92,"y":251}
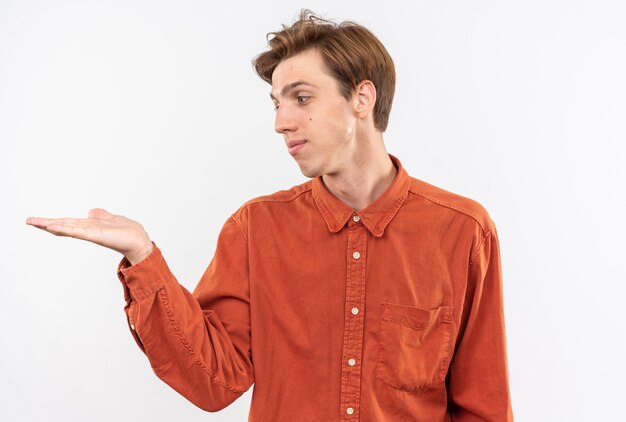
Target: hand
{"x":102,"y":228}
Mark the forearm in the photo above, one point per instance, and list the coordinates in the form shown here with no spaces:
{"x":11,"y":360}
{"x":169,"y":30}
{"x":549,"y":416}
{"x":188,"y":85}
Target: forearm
{"x":188,"y":348}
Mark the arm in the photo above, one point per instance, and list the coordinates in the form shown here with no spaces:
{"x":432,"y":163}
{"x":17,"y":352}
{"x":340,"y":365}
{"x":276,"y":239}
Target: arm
{"x":478,"y":382}
{"x":198,"y":344}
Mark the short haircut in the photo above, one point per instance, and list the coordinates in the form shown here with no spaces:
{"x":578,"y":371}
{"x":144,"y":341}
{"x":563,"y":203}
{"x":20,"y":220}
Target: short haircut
{"x":350,"y":52}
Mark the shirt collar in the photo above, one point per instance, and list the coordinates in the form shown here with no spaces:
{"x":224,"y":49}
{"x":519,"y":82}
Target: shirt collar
{"x":376,"y":216}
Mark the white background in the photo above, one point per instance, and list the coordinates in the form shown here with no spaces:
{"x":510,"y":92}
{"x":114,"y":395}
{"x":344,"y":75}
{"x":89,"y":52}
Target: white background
{"x":151,"y":109}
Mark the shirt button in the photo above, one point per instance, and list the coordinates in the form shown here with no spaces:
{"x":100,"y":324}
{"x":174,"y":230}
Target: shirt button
{"x":351,"y":362}
{"x":132,"y":327}
{"x":356,"y":255}
{"x":349,"y":410}
{"x":355,"y":311}
{"x":356,"y":218}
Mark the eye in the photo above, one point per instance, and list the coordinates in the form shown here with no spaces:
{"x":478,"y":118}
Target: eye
{"x":302,"y":99}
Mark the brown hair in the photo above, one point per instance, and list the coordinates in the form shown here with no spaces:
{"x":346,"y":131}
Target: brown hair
{"x":350,"y":52}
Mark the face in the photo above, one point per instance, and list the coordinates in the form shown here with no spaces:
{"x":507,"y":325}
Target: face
{"x":317,"y":123}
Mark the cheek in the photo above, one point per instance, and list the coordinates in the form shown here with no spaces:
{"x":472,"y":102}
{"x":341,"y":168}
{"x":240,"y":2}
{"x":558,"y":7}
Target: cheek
{"x":345,"y":127}
{"x":336,"y":122}
{"x":339,"y":128}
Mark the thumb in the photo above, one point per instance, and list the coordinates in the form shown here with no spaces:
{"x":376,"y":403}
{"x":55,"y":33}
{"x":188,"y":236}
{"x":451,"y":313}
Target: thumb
{"x":99,"y":213}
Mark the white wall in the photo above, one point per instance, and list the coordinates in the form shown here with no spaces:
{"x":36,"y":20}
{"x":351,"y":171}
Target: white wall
{"x":151,"y":109}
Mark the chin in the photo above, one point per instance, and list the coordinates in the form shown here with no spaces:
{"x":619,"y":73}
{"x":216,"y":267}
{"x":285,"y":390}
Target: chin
{"x":309,"y":171}
{"x":310,"y":174}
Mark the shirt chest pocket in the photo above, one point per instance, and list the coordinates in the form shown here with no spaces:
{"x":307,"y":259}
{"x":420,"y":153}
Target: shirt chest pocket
{"x":414,"y":346}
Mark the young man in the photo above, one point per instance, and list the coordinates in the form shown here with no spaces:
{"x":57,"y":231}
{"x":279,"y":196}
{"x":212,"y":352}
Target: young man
{"x":362,"y":294}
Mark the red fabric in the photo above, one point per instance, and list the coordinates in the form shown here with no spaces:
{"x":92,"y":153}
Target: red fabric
{"x":410,"y":328}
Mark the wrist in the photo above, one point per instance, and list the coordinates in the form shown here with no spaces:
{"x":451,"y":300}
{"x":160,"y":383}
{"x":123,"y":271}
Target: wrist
{"x":136,"y":257}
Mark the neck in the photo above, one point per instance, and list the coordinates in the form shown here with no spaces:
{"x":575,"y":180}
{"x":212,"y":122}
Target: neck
{"x":366,"y":174}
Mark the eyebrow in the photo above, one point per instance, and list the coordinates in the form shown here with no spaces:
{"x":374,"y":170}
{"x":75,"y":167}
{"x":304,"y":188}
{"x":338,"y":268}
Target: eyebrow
{"x":289,"y":87}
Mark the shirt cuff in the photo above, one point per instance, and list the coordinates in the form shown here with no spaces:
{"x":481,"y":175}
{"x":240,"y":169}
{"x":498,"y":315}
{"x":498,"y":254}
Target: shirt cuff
{"x":145,"y":277}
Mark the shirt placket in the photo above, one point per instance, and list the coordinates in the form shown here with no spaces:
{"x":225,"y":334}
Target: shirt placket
{"x":356,"y":256}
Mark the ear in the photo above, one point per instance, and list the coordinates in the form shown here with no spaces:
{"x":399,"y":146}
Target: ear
{"x":364,"y":98}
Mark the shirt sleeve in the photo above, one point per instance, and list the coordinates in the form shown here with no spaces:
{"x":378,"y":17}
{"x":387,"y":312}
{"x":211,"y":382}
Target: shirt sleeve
{"x":198,"y":343}
{"x":478,"y":383}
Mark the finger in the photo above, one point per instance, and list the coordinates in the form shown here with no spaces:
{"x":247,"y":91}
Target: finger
{"x":37,"y":221}
{"x":41,"y":221}
{"x":44,"y":228}
{"x":54,"y":228}
{"x":56,"y":225}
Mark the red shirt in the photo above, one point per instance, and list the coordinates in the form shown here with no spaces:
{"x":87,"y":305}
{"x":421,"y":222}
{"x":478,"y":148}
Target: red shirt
{"x":391,"y":313}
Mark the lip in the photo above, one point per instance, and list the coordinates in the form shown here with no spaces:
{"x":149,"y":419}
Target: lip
{"x":294,"y":146}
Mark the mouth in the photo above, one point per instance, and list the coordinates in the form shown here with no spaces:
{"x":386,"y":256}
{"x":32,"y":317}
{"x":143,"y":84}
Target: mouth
{"x":294,"y":146}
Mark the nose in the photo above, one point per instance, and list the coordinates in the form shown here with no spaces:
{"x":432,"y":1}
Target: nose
{"x":285,"y":120}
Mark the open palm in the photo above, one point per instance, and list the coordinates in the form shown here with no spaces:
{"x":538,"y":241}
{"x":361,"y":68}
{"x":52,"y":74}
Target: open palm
{"x":102,"y":228}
